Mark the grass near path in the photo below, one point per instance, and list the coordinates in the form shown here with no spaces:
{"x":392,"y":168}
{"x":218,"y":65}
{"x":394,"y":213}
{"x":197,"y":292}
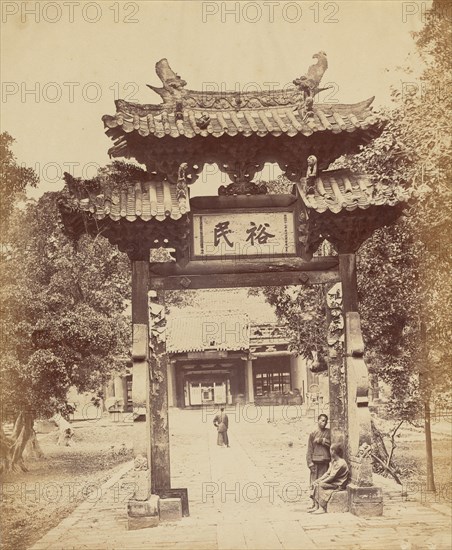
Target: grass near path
{"x":34,"y":502}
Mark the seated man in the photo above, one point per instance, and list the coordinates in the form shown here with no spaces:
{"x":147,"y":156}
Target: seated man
{"x":333,"y":480}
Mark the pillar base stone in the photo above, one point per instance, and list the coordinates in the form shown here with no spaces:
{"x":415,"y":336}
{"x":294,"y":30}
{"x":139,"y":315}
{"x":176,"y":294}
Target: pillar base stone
{"x":147,"y":513}
{"x":143,"y":513}
{"x":365,"y":501}
{"x":170,"y":509}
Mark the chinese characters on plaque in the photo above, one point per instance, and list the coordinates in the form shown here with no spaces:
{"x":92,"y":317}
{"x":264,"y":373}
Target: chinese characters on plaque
{"x":261,"y":234}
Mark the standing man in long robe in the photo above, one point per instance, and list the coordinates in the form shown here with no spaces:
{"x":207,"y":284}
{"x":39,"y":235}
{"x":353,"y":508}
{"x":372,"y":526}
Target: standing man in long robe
{"x":221,"y":422}
{"x":318,"y":455}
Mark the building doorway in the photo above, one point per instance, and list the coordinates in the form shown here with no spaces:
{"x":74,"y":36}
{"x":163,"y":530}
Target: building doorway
{"x":207,"y":392}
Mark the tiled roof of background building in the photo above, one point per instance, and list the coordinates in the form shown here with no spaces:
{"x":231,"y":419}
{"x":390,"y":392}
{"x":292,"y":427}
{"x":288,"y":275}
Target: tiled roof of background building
{"x":222,"y":331}
{"x":224,"y":300}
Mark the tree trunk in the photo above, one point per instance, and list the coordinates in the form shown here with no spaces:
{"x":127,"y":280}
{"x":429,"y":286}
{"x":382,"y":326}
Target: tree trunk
{"x":13,"y":447}
{"x":33,"y":448}
{"x":426,"y":392}
{"x":5,"y":446}
{"x":374,"y":386}
{"x":428,"y":446}
{"x":382,"y":460}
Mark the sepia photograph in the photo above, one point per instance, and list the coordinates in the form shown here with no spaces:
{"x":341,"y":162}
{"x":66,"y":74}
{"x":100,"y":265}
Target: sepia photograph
{"x":225,"y":275}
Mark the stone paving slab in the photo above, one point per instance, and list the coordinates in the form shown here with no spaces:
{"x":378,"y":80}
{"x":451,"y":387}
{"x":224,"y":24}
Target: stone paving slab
{"x":234,"y":519}
{"x":260,"y":535}
{"x":293,"y":536}
{"x":230,"y":536}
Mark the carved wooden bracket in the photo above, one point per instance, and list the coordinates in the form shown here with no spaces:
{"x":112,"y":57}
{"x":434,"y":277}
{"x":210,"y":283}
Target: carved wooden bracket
{"x":168,"y":168}
{"x":242,"y":187}
{"x":347,"y":230}
{"x":157,"y":320}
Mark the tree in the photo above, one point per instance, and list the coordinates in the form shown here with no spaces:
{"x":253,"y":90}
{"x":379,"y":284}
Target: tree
{"x":404,"y":270}
{"x":63,"y":303}
{"x":302,"y":310}
{"x":14,"y":179}
{"x":62,"y":318}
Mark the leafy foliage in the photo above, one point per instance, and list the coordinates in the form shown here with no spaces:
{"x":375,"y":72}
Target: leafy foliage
{"x":62,"y":321}
{"x":404,"y":270}
{"x":118,"y":174}
{"x":13,"y":179}
{"x":302,"y":310}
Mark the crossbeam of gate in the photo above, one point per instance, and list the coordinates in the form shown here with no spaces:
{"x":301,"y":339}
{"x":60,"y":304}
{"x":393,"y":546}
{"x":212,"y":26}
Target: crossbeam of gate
{"x":235,"y":280}
{"x":229,"y":274}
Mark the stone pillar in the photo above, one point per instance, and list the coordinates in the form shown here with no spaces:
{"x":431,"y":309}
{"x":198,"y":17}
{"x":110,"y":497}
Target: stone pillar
{"x":364,"y":497}
{"x":249,"y":382}
{"x":142,"y":508}
{"x":298,"y":374}
{"x":336,"y":371}
{"x":119,"y":391}
{"x":140,"y":368}
{"x":172,"y":400}
{"x":109,"y":390}
{"x":159,"y":363}
{"x":125,"y":393}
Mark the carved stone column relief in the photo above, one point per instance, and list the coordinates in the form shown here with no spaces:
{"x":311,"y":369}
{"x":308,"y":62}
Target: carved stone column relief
{"x":140,"y":382}
{"x":336,"y":370}
{"x":160,"y":453}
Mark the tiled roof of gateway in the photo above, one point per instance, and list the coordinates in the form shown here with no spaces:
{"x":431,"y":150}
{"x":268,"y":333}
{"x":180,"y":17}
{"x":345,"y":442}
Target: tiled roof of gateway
{"x":259,"y":114}
{"x":222,"y":331}
{"x":189,"y":113}
{"x":334,"y":191}
{"x":142,"y":200}
{"x":338,"y":190}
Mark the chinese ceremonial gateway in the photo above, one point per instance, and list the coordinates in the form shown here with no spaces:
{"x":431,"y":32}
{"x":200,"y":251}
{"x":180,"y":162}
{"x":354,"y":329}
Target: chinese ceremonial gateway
{"x":239,"y":236}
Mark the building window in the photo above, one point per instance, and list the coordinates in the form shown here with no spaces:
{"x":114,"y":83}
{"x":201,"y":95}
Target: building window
{"x":271,"y":382}
{"x":129,"y":393}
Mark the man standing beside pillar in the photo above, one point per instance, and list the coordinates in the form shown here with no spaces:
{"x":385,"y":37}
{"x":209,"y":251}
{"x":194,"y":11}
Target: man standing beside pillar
{"x":318,"y":456}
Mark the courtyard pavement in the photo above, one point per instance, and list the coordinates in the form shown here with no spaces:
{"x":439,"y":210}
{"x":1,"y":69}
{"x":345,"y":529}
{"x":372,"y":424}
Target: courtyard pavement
{"x":253,"y":495}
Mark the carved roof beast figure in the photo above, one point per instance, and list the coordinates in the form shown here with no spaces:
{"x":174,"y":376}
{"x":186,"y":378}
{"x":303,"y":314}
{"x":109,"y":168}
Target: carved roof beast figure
{"x":309,"y":83}
{"x":172,"y":82}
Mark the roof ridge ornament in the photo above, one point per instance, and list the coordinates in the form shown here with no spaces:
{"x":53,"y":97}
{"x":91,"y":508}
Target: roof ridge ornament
{"x":309,"y":83}
{"x":173,"y":90}
{"x":173,"y":84}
